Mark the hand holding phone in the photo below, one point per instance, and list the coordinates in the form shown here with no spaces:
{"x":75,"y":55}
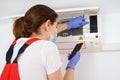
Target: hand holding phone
{"x":77,"y":48}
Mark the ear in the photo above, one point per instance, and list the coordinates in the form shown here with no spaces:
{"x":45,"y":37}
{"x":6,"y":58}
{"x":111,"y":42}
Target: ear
{"x":47,"y":25}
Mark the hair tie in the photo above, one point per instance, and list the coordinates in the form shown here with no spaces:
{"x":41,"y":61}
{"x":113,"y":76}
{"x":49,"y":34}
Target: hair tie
{"x":23,"y":18}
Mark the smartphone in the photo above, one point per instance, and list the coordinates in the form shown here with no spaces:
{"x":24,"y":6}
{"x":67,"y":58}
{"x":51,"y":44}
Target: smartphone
{"x":77,"y":48}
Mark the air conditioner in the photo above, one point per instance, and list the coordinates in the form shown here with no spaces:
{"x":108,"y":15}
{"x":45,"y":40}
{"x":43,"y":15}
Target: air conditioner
{"x":89,"y":35}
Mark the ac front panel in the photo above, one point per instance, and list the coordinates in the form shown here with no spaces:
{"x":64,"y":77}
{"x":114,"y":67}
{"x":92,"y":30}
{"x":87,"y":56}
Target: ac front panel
{"x":89,"y":34}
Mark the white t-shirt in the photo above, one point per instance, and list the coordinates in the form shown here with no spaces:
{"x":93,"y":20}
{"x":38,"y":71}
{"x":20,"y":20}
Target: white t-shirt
{"x":38,"y":60}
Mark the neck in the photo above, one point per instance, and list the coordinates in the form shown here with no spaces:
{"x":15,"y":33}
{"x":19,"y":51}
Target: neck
{"x":43,"y":37}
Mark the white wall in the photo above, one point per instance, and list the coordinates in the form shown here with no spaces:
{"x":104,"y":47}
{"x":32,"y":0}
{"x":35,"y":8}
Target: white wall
{"x":92,"y":66}
{"x":6,"y":37}
{"x":97,"y":66}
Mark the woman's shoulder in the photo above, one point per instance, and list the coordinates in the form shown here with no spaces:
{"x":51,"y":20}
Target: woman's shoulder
{"x":38,"y":43}
{"x":45,"y":43}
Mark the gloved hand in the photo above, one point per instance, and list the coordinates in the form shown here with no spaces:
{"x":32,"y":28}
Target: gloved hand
{"x":76,"y":22}
{"x":72,"y":63}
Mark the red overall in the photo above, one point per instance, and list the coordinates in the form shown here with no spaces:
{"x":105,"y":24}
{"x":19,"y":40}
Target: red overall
{"x":11,"y":71}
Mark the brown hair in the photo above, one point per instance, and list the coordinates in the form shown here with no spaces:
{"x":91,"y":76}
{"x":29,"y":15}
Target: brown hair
{"x":33,"y":19}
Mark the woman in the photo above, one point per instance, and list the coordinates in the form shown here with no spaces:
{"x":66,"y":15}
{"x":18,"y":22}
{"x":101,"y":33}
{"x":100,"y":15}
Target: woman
{"x":41,"y":60}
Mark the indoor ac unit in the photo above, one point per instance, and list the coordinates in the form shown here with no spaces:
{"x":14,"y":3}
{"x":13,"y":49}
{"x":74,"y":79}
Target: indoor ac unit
{"x":89,"y":35}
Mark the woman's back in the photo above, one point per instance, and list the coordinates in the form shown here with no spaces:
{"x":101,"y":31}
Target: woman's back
{"x":38,"y":60}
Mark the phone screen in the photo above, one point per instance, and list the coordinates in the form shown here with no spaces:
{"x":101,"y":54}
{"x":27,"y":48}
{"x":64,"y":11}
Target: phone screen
{"x":77,"y":48}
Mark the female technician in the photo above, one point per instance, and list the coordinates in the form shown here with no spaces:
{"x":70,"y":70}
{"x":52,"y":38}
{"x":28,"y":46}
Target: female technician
{"x":41,"y":60}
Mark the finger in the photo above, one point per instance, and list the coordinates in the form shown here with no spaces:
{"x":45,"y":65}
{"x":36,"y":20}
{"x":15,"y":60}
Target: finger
{"x":77,"y":54}
{"x":68,"y":55}
{"x":84,"y":23}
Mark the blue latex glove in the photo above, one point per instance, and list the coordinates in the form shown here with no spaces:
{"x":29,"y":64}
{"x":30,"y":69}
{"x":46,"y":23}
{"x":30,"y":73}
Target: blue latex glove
{"x":76,"y":22}
{"x":72,"y":63}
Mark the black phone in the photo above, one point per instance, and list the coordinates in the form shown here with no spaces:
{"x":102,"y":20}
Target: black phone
{"x":77,"y":48}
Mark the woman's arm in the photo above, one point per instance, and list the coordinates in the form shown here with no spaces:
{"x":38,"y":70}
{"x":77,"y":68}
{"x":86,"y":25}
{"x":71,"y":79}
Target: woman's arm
{"x":61,"y":27}
{"x":56,"y":75}
{"x":73,"y":23}
{"x":69,"y":75}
